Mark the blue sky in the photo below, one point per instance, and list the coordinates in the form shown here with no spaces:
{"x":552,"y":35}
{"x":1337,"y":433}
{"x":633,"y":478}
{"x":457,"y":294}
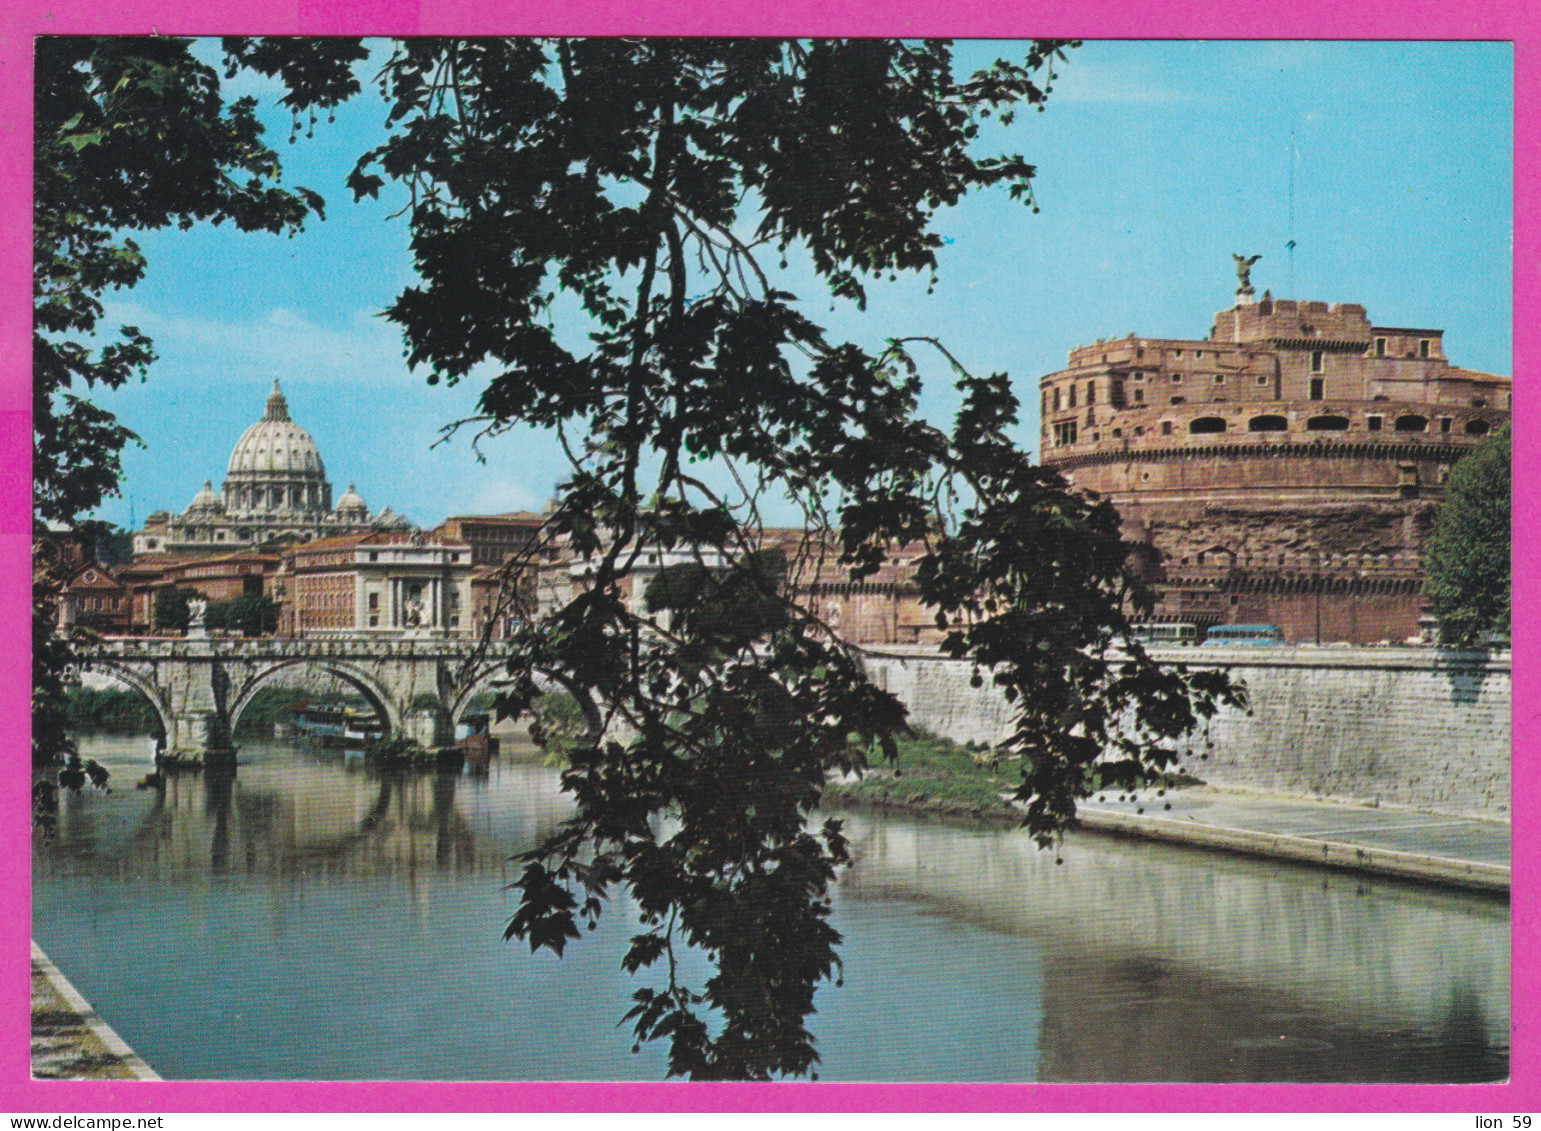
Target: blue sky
{"x":1156,"y":161}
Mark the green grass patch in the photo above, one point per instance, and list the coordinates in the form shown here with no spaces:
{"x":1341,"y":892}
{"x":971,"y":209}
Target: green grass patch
{"x":933,"y":773}
{"x":936,"y":775}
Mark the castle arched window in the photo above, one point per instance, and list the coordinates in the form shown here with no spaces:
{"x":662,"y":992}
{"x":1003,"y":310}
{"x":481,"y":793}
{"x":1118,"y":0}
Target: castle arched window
{"x":1476,"y":427}
{"x":1205,"y":425}
{"x":1268,"y":424}
{"x":1327,"y":423}
{"x":1412,"y":422}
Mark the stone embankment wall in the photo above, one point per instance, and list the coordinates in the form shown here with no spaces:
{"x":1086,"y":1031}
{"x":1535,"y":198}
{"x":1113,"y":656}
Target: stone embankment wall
{"x":1423,"y":728}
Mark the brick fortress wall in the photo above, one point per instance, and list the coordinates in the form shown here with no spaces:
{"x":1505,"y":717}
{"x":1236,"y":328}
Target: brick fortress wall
{"x":1284,"y":470}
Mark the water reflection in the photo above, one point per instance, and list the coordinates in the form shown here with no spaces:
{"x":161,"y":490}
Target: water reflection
{"x":969,"y":954}
{"x":296,"y":810}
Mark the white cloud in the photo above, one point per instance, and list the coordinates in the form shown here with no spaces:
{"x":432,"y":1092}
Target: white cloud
{"x":278,"y":342}
{"x":504,"y":495}
{"x":1088,"y":84}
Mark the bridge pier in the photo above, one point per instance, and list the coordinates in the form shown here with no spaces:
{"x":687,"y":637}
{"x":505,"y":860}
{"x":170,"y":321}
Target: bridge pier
{"x":429,"y":728}
{"x":203,"y":735}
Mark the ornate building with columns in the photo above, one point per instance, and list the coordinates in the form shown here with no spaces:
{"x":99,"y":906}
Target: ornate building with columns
{"x":275,"y":486}
{"x":387,"y":583}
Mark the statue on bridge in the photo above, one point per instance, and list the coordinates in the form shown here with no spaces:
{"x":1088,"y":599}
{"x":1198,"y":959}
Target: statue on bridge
{"x":197,"y":608}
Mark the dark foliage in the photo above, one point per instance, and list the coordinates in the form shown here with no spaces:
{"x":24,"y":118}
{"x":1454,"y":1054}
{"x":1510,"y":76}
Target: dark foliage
{"x":171,"y":611}
{"x":130,"y":135}
{"x":112,"y":710}
{"x":660,"y":184}
{"x":251,"y":614}
{"x":1469,"y":579}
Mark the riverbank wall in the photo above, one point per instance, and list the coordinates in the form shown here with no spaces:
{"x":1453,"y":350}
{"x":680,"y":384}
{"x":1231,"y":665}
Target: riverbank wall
{"x":1424,"y":728}
{"x":70,"y":1041}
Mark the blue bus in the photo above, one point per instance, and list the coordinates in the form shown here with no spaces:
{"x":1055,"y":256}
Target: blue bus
{"x":1265,"y":635}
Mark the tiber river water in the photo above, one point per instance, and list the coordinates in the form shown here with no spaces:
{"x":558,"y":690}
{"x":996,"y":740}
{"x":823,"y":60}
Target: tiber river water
{"x":309,"y":919}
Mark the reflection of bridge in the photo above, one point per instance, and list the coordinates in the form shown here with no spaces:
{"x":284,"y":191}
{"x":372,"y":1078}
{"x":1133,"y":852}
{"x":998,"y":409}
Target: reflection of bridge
{"x":200,"y":686}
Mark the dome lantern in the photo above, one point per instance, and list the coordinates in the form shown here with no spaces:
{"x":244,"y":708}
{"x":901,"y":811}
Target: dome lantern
{"x":277,"y":407}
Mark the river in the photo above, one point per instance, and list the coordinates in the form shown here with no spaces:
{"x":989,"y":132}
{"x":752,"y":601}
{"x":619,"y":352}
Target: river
{"x":311,"y":919}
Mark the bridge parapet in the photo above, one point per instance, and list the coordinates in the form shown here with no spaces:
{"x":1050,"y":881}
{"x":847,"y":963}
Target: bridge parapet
{"x":182,"y":647}
{"x":199,"y":686}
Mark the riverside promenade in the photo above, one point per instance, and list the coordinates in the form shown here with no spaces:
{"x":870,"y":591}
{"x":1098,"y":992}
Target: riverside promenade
{"x":69,"y":1040}
{"x":1390,"y":841}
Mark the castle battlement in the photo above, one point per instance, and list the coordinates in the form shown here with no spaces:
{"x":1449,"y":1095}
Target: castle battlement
{"x":1295,"y":432}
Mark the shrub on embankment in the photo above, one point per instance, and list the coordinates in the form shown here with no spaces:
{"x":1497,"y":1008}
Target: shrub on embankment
{"x":109,"y":709}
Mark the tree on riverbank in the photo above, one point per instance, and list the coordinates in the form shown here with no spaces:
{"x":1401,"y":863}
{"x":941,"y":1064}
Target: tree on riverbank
{"x":663,"y":187}
{"x":130,"y":135}
{"x":1469,"y":581}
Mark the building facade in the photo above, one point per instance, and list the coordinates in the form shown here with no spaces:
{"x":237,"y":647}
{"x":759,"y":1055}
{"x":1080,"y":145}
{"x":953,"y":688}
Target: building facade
{"x":95,"y":598}
{"x":275,"y":487}
{"x":385,"y":582}
{"x":1283,"y":470}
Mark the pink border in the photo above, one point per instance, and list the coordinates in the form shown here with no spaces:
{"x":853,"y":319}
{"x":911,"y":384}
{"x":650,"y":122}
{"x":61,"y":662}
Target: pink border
{"x":1249,"y":19}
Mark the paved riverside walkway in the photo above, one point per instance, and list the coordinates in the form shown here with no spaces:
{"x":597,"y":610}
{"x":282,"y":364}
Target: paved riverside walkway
{"x":1460,"y":851}
{"x":69,"y":1040}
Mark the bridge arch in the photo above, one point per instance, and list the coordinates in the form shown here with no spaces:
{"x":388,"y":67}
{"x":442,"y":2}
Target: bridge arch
{"x":488,"y":673}
{"x":484,"y":676}
{"x":137,"y":681}
{"x":355,"y":677}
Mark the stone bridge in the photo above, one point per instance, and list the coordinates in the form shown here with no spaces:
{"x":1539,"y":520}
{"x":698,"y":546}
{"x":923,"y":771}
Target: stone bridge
{"x":200,"y":686}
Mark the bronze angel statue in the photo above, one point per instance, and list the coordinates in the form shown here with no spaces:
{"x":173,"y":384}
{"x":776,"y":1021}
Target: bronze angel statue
{"x":1244,"y":272}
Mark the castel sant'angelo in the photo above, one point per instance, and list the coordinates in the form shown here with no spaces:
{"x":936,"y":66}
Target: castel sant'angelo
{"x":1284,"y":470}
